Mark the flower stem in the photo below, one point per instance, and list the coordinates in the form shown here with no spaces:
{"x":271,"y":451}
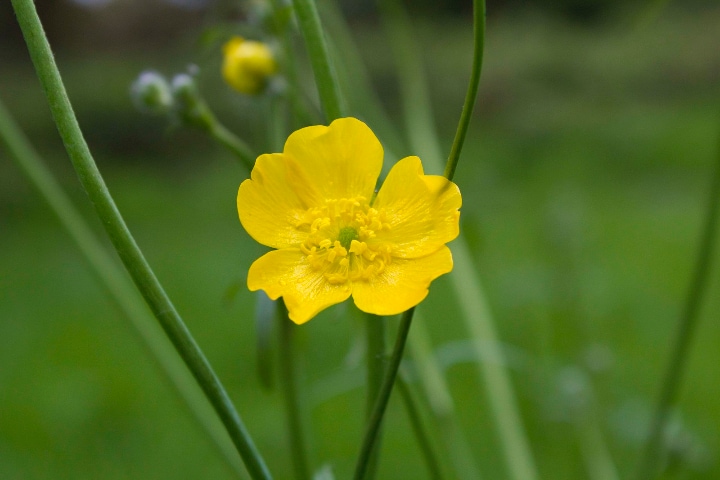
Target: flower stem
{"x":373,"y":426}
{"x":686,"y":328}
{"x":472,"y":91}
{"x":375,"y":370}
{"x":289,"y":387}
{"x":465,"y":278}
{"x":117,"y":284}
{"x":124,"y":243}
{"x":232,"y":142}
{"x":325,"y":76}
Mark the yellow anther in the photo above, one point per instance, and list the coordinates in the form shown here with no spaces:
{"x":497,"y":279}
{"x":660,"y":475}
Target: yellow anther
{"x":358,"y":247}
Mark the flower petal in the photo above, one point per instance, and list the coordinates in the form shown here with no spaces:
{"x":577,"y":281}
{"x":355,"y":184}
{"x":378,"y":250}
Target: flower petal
{"x":343,"y":160}
{"x":285,"y":273}
{"x":422,"y":210}
{"x":273,"y":202}
{"x":402,"y":285}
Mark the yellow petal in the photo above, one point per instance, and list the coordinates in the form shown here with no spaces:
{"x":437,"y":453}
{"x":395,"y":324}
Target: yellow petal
{"x":285,"y":273}
{"x":268,"y":203}
{"x":402,"y":285}
{"x":343,"y":160}
{"x":422,"y":210}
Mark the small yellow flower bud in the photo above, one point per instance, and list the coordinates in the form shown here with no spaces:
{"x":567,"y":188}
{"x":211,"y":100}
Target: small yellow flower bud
{"x":247,"y":65}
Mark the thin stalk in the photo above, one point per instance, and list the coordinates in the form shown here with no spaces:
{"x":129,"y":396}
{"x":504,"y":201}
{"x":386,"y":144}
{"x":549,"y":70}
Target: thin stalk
{"x":123,"y":241}
{"x":288,"y":385}
{"x":375,"y":353}
{"x":325,"y":76}
{"x":686,"y":328}
{"x":376,"y":418}
{"x":117,"y":284}
{"x":466,"y":281}
{"x":472,"y":91}
{"x":426,"y":445}
{"x":232,"y":142}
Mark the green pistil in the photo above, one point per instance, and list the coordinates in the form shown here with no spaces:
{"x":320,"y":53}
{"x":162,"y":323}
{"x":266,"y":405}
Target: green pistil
{"x":346,"y":236}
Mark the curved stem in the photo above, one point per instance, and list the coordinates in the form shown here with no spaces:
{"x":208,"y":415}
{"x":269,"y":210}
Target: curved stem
{"x":325,"y":77}
{"x":686,"y":329}
{"x":383,"y":396}
{"x":124,"y":243}
{"x":289,"y":386}
{"x":467,"y":283}
{"x":471,"y":96}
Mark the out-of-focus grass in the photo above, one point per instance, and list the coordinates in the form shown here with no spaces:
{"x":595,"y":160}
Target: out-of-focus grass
{"x":583,"y":181}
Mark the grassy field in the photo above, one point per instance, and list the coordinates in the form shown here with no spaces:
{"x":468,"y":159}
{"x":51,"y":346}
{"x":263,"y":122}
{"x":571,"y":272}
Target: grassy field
{"x":584,"y":180}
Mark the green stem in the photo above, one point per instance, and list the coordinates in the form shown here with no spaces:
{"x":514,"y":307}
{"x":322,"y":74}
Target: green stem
{"x":375,"y":421}
{"x":325,"y":76}
{"x":686,"y":329}
{"x":466,"y":281}
{"x":117,"y":284}
{"x":123,"y":241}
{"x":472,"y":91}
{"x":375,"y":358}
{"x":375,"y":371}
{"x":232,"y":142}
{"x":426,"y":446}
{"x":289,"y":387}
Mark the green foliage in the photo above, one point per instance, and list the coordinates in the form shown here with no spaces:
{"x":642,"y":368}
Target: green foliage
{"x":583,"y":177}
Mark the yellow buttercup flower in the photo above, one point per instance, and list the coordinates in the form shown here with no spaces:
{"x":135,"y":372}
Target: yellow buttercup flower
{"x":247,"y":65}
{"x":315,"y":204}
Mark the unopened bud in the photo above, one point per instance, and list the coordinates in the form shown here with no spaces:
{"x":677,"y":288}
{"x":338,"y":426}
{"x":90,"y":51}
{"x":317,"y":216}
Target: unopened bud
{"x":151,"y":93}
{"x":248,"y":65}
{"x":189,"y":104}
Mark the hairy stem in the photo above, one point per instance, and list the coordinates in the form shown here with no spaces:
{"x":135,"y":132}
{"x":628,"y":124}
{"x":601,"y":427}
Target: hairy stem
{"x":383,"y":398}
{"x":472,"y":91}
{"x":124,"y":243}
{"x":288,"y":384}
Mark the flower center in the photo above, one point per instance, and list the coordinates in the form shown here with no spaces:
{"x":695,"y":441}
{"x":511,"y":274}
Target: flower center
{"x":343,"y":240}
{"x":346,"y":236}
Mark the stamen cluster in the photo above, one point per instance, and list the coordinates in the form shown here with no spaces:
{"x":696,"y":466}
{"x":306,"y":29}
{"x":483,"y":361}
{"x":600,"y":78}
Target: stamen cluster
{"x":342,"y":240}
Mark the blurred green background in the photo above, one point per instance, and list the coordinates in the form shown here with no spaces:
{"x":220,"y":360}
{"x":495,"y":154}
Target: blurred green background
{"x":584,"y":179}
